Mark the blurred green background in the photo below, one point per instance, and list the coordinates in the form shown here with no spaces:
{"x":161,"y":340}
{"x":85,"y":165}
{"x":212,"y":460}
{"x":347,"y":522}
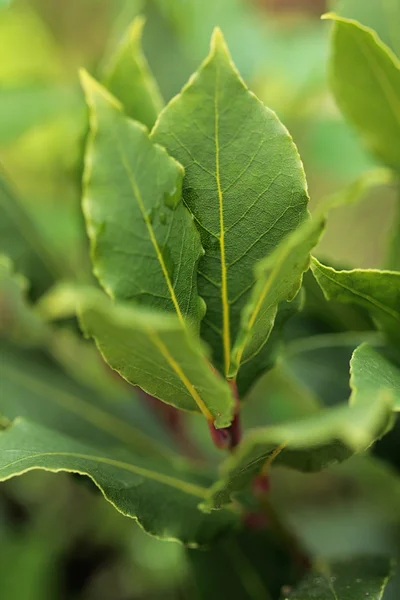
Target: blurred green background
{"x":59,"y":540}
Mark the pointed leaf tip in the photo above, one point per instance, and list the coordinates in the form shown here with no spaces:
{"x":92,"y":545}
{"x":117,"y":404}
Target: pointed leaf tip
{"x":136,"y":28}
{"x":329,"y":16}
{"x":218,"y":42}
{"x":92,"y":88}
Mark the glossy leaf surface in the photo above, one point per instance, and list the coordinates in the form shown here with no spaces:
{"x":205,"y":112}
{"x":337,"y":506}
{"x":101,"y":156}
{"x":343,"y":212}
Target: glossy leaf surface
{"x":244,"y":184}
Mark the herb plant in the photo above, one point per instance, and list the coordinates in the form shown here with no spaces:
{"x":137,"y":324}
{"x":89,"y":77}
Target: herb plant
{"x":200,"y":237}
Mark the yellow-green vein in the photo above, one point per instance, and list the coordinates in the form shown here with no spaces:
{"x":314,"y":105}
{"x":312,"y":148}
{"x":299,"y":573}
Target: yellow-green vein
{"x":224,"y":282}
{"x":186,"y":382}
{"x":137,"y":195}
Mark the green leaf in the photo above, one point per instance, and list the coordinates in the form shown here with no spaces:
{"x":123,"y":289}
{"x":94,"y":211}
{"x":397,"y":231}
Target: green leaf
{"x":352,"y":579}
{"x":152,"y":350}
{"x":145,"y":246}
{"x":23,"y":325}
{"x":128,"y":77}
{"x":133,"y":485}
{"x":247,"y":565}
{"x":279,"y":276}
{"x":267,"y":357}
{"x":32,"y":106}
{"x":380,"y":15}
{"x":308,"y":444}
{"x":393,"y":259}
{"x":18,"y":322}
{"x":244,"y":184}
{"x":22,"y":242}
{"x":378,"y":291}
{"x":372,"y":371}
{"x":365,"y":78}
{"x":43,"y":393}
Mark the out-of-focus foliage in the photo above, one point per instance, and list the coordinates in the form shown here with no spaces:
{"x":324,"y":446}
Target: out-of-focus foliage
{"x":59,"y":539}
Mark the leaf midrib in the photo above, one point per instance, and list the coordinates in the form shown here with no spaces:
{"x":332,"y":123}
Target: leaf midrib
{"x":179,"y":372}
{"x":224,"y":282}
{"x":138,"y":197}
{"x":183,"y":486}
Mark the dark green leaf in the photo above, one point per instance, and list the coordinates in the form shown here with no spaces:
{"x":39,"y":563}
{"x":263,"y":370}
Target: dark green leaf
{"x":248,"y":565}
{"x":34,"y":389}
{"x":377,"y":291}
{"x":244,"y":184}
{"x":128,"y":77}
{"x":145,"y":246}
{"x":351,"y":579}
{"x":133,"y":485}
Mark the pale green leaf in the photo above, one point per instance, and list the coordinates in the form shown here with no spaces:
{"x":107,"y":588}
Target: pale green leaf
{"x":357,"y":578}
{"x":371,"y":371}
{"x":365,"y":78}
{"x":133,"y":485}
{"x":377,"y":291}
{"x":244,"y":184}
{"x":128,"y":77}
{"x":144,"y":243}
{"x":381,"y":15}
{"x":308,"y":444}
{"x":151,"y":349}
{"x":279,"y":276}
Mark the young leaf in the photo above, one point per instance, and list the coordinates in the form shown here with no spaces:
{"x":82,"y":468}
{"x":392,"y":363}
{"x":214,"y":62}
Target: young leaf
{"x":351,"y":579}
{"x":244,"y":184}
{"x":309,"y":444}
{"x":145,"y":246}
{"x":279,"y":276}
{"x":365,"y":78}
{"x":152,"y":350}
{"x":378,"y":291}
{"x":128,"y":77}
{"x":268,"y":355}
{"x":133,"y":485}
{"x":372,"y":372}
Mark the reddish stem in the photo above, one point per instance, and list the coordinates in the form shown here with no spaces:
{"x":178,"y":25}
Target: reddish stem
{"x":228,"y":438}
